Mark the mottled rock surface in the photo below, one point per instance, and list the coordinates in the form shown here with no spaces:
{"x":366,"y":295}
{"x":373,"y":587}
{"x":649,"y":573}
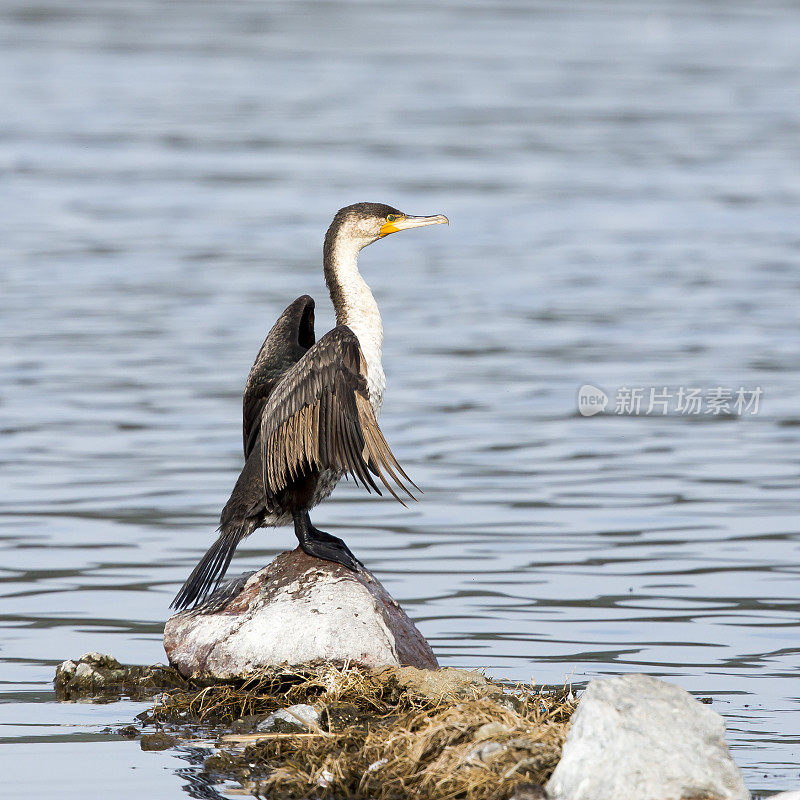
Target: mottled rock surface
{"x":637,"y":738}
{"x":297,"y":716}
{"x":298,"y":611}
{"x":91,"y":672}
{"x":100,"y":675}
{"x":158,"y":741}
{"x":441,"y":683}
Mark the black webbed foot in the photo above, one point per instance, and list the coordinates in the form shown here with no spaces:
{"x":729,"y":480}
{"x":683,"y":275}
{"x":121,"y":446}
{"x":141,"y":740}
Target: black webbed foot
{"x":322,"y":545}
{"x":330,"y":548}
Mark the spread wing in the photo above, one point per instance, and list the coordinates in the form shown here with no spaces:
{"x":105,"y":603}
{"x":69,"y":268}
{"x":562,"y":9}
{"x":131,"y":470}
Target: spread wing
{"x":286,"y":343}
{"x":319,"y":417}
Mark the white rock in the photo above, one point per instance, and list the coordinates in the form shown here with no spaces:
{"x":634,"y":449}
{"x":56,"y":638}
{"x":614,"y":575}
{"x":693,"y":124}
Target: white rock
{"x":488,"y":730}
{"x":793,"y":795}
{"x":298,"y":610}
{"x":325,"y":778}
{"x":84,"y":670}
{"x":637,"y":738}
{"x":67,"y":668}
{"x":482,"y":752}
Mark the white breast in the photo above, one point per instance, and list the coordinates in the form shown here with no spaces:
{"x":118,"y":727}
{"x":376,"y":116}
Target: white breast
{"x":376,"y":382}
{"x":356,"y":307}
{"x":370,"y":340}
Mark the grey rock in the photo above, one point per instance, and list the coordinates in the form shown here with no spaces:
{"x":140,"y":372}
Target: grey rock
{"x":434,"y":685}
{"x":297,"y":716}
{"x":297,"y":611}
{"x":92,"y":673}
{"x":483,"y":752}
{"x":158,"y":741}
{"x":96,"y":675}
{"x":637,"y":738}
{"x":528,"y":791}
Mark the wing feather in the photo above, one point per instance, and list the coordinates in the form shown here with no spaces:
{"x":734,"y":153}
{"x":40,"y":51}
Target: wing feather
{"x":319,"y":417}
{"x":290,"y":337}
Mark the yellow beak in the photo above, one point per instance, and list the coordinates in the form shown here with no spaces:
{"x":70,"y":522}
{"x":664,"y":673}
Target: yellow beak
{"x":406,"y":221}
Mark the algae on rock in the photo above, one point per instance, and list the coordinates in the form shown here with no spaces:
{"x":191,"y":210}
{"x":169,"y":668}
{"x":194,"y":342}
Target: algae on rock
{"x":100,"y":676}
{"x":388,"y":735}
{"x":384,"y":734}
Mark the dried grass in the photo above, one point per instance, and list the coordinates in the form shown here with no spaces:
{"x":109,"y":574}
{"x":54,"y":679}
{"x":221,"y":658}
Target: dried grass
{"x":270,"y":690}
{"x":398,"y":742}
{"x":388,"y":735}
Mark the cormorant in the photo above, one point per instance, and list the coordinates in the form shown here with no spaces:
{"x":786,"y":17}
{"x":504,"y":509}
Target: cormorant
{"x":310,"y":410}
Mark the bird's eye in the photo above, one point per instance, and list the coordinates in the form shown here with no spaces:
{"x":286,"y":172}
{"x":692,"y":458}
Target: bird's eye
{"x":391,"y":218}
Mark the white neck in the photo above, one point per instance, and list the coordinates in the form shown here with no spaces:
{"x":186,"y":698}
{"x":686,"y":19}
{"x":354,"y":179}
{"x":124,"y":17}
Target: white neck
{"x":356,"y":307}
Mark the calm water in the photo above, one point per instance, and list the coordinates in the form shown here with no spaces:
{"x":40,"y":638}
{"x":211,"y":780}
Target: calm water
{"x":623,"y":182}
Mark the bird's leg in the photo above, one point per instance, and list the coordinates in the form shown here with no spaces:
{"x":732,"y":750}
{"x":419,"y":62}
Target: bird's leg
{"x":322,"y":545}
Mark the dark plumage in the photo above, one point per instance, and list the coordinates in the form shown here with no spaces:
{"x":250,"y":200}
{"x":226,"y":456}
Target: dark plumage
{"x":308,"y":415}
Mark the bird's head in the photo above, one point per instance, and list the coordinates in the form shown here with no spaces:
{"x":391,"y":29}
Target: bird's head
{"x":365,"y":223}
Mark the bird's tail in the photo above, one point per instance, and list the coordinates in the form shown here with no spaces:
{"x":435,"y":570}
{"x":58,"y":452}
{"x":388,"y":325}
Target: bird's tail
{"x":206,"y":576}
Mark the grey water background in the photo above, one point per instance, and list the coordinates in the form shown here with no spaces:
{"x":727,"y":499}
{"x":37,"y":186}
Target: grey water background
{"x":623,"y":181}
